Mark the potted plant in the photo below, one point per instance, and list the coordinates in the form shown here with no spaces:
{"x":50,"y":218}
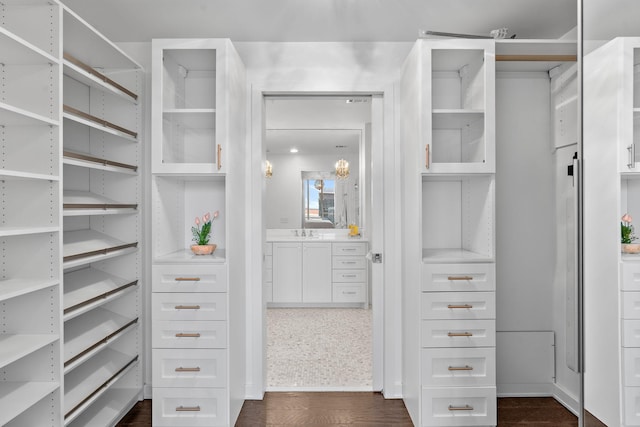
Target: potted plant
{"x":202,"y":233}
{"x":627,"y":237}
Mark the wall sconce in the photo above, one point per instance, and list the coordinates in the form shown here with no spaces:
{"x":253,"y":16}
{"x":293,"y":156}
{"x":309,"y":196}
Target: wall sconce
{"x":268,"y":169}
{"x":342,"y":169}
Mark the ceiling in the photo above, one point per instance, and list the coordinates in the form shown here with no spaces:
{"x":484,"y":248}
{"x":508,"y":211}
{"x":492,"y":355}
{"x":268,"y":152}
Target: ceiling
{"x":323,"y":20}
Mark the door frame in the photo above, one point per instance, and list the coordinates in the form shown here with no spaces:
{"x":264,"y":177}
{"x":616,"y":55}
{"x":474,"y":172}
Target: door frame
{"x":386,"y":295}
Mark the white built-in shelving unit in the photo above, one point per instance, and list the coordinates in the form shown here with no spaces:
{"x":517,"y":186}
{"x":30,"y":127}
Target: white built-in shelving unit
{"x":31,"y":218}
{"x":102,"y":192}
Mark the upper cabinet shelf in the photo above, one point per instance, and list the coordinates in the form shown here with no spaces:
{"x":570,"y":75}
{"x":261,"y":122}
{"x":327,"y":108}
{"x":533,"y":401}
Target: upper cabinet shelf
{"x":534,"y":55}
{"x":84,"y":73}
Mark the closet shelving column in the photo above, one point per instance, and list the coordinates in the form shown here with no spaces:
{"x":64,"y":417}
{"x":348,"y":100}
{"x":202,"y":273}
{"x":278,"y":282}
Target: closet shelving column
{"x":30,"y":220}
{"x":102,"y":261}
{"x":198,"y":120}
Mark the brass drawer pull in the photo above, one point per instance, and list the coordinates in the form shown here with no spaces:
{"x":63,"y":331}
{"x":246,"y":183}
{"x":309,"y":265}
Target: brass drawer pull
{"x":181,"y":369}
{"x":460,"y":278}
{"x":460,"y":408}
{"x":187,"y":279}
{"x":188,"y":409}
{"x":187,"y":307}
{"x":426,"y":160}
{"x":460,"y":334}
{"x":460,"y":368}
{"x":187,"y":335}
{"x":460,"y":306}
{"x":219,"y":160}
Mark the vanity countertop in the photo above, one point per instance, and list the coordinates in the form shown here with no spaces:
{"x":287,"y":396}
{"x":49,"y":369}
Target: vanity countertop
{"x":318,"y":236}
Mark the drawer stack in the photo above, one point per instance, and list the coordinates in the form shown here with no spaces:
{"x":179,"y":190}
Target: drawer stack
{"x":458,"y":373}
{"x":630,"y":295}
{"x":349,"y":272}
{"x":189,"y":340}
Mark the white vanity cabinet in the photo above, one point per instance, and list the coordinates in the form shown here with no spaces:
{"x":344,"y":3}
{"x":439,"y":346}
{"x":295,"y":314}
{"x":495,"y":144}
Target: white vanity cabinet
{"x":316,"y":272}
{"x":349,"y":274}
{"x":287,"y":272}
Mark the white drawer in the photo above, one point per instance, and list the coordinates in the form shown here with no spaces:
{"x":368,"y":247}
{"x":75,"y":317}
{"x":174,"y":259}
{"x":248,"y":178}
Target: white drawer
{"x":189,"y":368}
{"x":630,"y":276}
{"x":176,"y":407}
{"x":189,"y":334}
{"x":632,"y":406}
{"x":631,"y":360}
{"x":458,"y":333}
{"x":189,"y":278}
{"x":630,"y":305}
{"x":349,"y":276}
{"x":189,"y":306}
{"x":349,"y":248}
{"x":631,"y":333}
{"x":349,"y":262}
{"x":458,"y":277}
{"x":468,"y":367}
{"x":458,"y":305}
{"x":349,"y":292}
{"x":459,"y":406}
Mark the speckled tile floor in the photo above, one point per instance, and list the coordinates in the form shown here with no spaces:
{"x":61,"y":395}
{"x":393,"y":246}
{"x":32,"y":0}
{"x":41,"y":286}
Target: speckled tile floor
{"x":319,"y":349}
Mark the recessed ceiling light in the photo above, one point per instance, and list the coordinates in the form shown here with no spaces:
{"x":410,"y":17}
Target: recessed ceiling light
{"x":293,"y":150}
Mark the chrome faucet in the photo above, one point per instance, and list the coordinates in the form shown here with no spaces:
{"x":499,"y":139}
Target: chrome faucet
{"x":304,"y":234}
{"x":296,"y":232}
{"x":310,"y":233}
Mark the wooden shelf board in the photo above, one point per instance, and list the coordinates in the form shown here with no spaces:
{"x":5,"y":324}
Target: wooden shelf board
{"x":75,"y":69}
{"x":18,"y":397}
{"x":91,"y":287}
{"x":16,"y":50}
{"x":17,"y":287}
{"x":22,"y":231}
{"x":431,"y":256}
{"x":92,"y":162}
{"x":78,"y":203}
{"x":85,"y":246}
{"x":186,"y":256}
{"x":16,"y":346}
{"x":108,"y":409}
{"x":7,"y":175}
{"x":14,"y":116}
{"x":98,"y":126}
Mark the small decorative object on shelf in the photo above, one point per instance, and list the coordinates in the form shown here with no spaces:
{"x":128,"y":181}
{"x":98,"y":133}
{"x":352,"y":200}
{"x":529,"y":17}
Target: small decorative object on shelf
{"x":627,"y":237}
{"x":202,"y":233}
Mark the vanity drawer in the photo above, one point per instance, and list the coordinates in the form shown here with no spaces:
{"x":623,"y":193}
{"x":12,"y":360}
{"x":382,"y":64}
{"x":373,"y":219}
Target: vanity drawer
{"x":630,"y":276}
{"x":189,"y":368}
{"x":631,"y":333}
{"x":349,"y":248}
{"x":189,"y":306}
{"x":349,"y":262}
{"x":458,"y":333}
{"x":459,"y":277}
{"x":189,"y":334}
{"x":630,"y":305}
{"x":458,"y":305}
{"x":459,"y":406}
{"x":189,"y":278}
{"x":349,"y":276}
{"x":349,"y":292}
{"x":470,"y":367}
{"x":193,"y":407}
{"x":631,"y":360}
{"x":632,"y":406}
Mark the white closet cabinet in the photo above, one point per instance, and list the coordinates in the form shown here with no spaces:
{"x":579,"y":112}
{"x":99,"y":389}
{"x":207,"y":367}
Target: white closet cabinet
{"x":447,"y":99}
{"x":197,"y":305}
{"x":612,"y":185}
{"x":102,"y":193}
{"x":30,"y":171}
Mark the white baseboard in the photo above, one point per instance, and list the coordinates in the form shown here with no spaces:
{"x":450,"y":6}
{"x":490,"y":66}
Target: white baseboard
{"x":321,"y":389}
{"x":253,"y":392}
{"x":525,"y":390}
{"x":567,"y":399}
{"x":394,"y":392}
{"x":147,"y":391}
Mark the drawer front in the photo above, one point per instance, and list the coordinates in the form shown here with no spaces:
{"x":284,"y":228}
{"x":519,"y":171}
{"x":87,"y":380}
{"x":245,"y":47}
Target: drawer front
{"x":631,"y":375}
{"x":466,"y":367}
{"x":189,"y":278}
{"x":458,"y":277}
{"x":189,"y":368}
{"x":189,"y":306}
{"x":349,"y":276}
{"x":632,"y":406}
{"x":189,"y":334}
{"x":349,"y":262}
{"x":630,"y":305}
{"x":631,"y":333}
{"x":349,"y":293}
{"x":630,"y":276}
{"x":459,"y":406}
{"x":458,"y":305}
{"x":458,"y":333}
{"x":176,"y":407}
{"x":349,"y":249}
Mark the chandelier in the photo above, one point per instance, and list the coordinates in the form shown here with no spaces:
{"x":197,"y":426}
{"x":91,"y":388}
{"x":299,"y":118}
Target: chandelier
{"x":268,"y":170}
{"x":342,"y":169}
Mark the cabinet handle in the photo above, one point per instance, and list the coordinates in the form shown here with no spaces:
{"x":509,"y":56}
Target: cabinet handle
{"x":632,"y":156}
{"x":459,"y":334}
{"x":460,"y":278}
{"x":460,"y":306}
{"x":461,"y":408}
{"x":349,"y":292}
{"x":188,"y":408}
{"x":348,"y":262}
{"x":187,"y":279}
{"x":188,"y":335}
{"x":426,"y":158}
{"x":218,"y":157}
{"x":349,"y":275}
{"x":181,"y":369}
{"x":348,"y":249}
{"x":460,"y":368}
{"x":187,"y":307}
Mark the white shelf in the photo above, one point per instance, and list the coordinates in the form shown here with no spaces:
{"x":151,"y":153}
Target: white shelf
{"x":7,"y":175}
{"x":78,"y":203}
{"x":98,"y":126}
{"x":192,"y":118}
{"x":89,"y":288}
{"x":16,"y":50}
{"x":87,"y":246}
{"x":440,"y":256}
{"x":186,"y":256}
{"x":16,"y":346}
{"x":91,"y":162}
{"x":455,"y":119}
{"x":14,"y":116}
{"x":91,"y":380}
{"x":86,"y":332}
{"x":108,"y":409}
{"x":17,"y":287}
{"x":22,"y":231}
{"x":75,"y":72}
{"x":18,"y":397}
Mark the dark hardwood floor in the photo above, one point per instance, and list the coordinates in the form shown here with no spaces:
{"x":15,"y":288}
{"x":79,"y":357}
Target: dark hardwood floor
{"x":365,"y":409}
